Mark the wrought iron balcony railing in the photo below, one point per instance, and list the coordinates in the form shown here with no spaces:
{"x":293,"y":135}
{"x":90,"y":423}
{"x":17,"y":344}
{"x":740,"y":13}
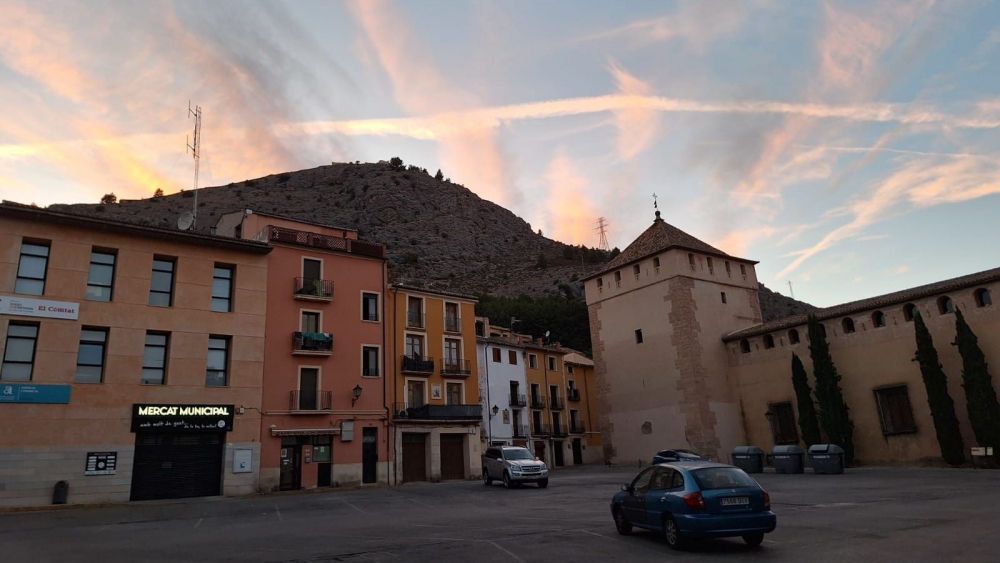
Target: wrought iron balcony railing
{"x":518,"y":400}
{"x":520,"y":431}
{"x":313,"y":289}
{"x":576,"y":427}
{"x":310,"y":400}
{"x":437,"y":412}
{"x":456,"y":368}
{"x":418,"y":364}
{"x":538,"y":401}
{"x":556,"y":403}
{"x":453,"y":324}
{"x":573,"y":394}
{"x":312,"y":343}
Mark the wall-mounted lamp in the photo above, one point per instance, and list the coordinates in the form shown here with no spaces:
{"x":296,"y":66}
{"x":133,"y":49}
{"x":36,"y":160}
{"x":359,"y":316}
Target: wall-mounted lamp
{"x":355,"y":394}
{"x":495,"y":410}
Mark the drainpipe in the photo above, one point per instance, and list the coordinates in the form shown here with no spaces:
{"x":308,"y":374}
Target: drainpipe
{"x":489,"y":413}
{"x":392,"y":341}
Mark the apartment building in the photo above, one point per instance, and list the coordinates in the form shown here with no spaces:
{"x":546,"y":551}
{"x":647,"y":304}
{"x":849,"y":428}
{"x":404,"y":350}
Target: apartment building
{"x":323,"y":419}
{"x":581,"y":407}
{"x":132,"y":360}
{"x":503,"y":385}
{"x":434,"y":398}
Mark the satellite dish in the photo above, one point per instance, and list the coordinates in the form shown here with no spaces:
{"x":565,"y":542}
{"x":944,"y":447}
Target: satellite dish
{"x":185,"y":221}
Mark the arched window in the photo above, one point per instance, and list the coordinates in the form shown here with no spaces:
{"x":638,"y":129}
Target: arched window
{"x":878,"y":319}
{"x":945,"y":305}
{"x":983,"y":298}
{"x":745,"y":346}
{"x":768,"y":341}
{"x":793,"y":336}
{"x":908,"y":311}
{"x":847,"y":324}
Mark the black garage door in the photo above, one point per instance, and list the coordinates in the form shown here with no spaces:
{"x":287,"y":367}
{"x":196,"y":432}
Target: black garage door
{"x":452,"y":456}
{"x":177,"y":465}
{"x":414,"y":457}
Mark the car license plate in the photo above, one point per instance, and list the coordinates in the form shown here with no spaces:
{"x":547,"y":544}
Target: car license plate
{"x":735,"y":501}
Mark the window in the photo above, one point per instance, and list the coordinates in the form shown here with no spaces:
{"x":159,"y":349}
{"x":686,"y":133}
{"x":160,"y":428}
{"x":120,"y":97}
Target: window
{"x":311,"y":322}
{"x":894,"y":410}
{"x":569,"y":369}
{"x":369,"y":361}
{"x":31,"y":268}
{"x":415,"y":346}
{"x":101,"y":278}
{"x":19,"y":352}
{"x":600,"y":284}
{"x":369,"y":306}
{"x":638,"y":336}
{"x":216,"y":369}
{"x":656,"y":264}
{"x":729,"y":270}
{"x":793,"y":336}
{"x":618,"y":279}
{"x":480,"y":328}
{"x":312,"y":270}
{"x":636,"y":271}
{"x":847,"y":324}
{"x":154,"y":359}
{"x":496,"y":355}
{"x":768,"y":341}
{"x":532,"y":361}
{"x":743,"y":270}
{"x":723,"y":296}
{"x":414,"y":312}
{"x":691,"y":261}
{"x":90,"y":356}
{"x":321,"y":449}
{"x":908,"y":311}
{"x":453,"y":393}
{"x":781,"y":417}
{"x":552,"y":364}
{"x":415,"y":393}
{"x":982,"y":297}
{"x":745,"y":346}
{"x":641,"y":483}
{"x":452,"y":321}
{"x":945,"y":305}
{"x":512,"y":357}
{"x":222,"y":289}
{"x":308,"y":389}
{"x":878,"y":319}
{"x":161,"y":284}
{"x":452,"y":354}
{"x":711,"y":269}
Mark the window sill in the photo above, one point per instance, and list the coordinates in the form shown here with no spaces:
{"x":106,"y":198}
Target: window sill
{"x":371,"y":377}
{"x":899,"y":432}
{"x":369,"y":321}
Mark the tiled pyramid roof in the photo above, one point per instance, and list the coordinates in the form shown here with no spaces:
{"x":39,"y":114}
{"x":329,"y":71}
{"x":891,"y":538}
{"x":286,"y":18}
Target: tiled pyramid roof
{"x":659,"y":237}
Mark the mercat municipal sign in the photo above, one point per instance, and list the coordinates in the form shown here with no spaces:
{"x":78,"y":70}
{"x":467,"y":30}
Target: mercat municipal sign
{"x":182,"y":418}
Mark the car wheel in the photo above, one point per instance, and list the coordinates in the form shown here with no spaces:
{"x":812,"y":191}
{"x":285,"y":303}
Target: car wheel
{"x":672,"y":534}
{"x":753,"y":540}
{"x":543,"y":483}
{"x":623,"y":526}
{"x":487,"y":480}
{"x":506,"y":480}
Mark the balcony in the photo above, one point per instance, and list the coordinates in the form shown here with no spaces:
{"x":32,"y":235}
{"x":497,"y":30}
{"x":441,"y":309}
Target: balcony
{"x":576,"y":427}
{"x":325,"y":242}
{"x":556,"y":403}
{"x":418,"y":365}
{"x":414,"y":319}
{"x":540,"y":429}
{"x":309,"y":289}
{"x":520,"y":431}
{"x":573,"y":394}
{"x":538,"y":401}
{"x":310,"y":401}
{"x":456,"y":368}
{"x":518,"y":400}
{"x":438,"y":412}
{"x":453,"y":324}
{"x":312,"y":343}
{"x":559,"y":431}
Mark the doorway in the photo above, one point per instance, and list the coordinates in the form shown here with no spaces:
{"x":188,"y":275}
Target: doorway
{"x":369,"y":455}
{"x":540,"y":451}
{"x":291,"y":469}
{"x":557,"y":453}
{"x":452,"y":456}
{"x":577,"y":451}
{"x":414,"y":457}
{"x":177,"y":465}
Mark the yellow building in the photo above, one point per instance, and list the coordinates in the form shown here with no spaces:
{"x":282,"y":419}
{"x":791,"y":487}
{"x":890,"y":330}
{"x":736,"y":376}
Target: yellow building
{"x":581,"y":408}
{"x":434,"y":398}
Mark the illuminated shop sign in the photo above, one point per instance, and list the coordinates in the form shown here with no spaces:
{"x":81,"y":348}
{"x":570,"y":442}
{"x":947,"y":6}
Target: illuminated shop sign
{"x":39,"y":308}
{"x":182,"y":418}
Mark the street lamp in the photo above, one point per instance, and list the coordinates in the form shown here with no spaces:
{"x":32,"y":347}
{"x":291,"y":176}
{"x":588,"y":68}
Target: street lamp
{"x":495,"y":409}
{"x":355,"y":394}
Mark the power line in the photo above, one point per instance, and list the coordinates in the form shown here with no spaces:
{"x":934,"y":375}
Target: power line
{"x":602,"y":227}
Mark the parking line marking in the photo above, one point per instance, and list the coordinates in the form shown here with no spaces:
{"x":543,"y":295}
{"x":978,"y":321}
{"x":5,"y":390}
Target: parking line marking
{"x":354,"y":507}
{"x":513,"y":555}
{"x":278,"y":512}
{"x":198,"y":523}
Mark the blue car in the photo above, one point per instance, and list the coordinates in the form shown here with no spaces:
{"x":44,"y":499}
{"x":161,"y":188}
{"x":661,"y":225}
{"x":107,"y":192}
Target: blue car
{"x":694,"y":499}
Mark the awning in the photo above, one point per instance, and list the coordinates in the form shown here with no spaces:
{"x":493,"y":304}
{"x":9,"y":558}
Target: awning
{"x":305,"y":431}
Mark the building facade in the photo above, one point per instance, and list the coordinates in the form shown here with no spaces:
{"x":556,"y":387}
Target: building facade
{"x":503,"y":385}
{"x":683,"y":359}
{"x":132,"y":360}
{"x":585,"y":442}
{"x":323,"y":411}
{"x":434,"y":397}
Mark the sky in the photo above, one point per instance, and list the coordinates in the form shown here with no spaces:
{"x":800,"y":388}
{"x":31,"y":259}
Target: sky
{"x":853,"y":148}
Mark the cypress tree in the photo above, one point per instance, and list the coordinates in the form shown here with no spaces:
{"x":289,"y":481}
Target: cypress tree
{"x":808,"y":425}
{"x":833,"y":412}
{"x":942,"y":407}
{"x":980,"y":397}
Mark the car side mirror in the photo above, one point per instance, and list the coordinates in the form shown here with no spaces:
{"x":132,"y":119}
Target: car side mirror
{"x":627,"y":488}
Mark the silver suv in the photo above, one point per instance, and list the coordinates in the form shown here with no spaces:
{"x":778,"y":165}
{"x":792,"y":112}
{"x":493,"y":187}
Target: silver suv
{"x":513,"y":465}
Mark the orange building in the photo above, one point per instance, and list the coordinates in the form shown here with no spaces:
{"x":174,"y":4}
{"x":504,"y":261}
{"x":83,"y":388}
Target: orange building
{"x":323,"y":412}
{"x":436,"y":411}
{"x":132,"y":360}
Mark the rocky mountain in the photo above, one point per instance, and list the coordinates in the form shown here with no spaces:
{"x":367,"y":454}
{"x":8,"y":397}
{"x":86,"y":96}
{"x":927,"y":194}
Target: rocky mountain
{"x":439,"y":235}
{"x":774,"y":305}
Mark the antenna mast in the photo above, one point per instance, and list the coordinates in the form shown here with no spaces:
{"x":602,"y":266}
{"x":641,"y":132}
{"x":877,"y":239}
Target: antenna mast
{"x":195,"y":150}
{"x":602,"y":227}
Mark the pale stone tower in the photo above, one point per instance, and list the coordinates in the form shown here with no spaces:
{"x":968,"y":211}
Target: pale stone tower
{"x":658,"y":312}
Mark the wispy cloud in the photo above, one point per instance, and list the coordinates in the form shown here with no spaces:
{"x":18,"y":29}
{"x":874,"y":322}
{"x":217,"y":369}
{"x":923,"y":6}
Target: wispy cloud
{"x":637,"y":126}
{"x":697,"y":23}
{"x":571,"y":215}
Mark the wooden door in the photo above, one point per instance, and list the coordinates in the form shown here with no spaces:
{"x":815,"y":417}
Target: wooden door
{"x":414,"y":457}
{"x":452,"y":456}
